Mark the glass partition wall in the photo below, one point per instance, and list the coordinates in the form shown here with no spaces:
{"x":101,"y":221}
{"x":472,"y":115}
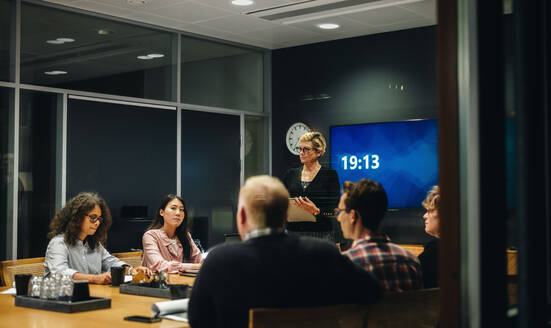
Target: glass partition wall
{"x":91,"y":103}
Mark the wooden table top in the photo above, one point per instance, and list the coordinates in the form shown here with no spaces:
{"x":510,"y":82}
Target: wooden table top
{"x":122,"y":305}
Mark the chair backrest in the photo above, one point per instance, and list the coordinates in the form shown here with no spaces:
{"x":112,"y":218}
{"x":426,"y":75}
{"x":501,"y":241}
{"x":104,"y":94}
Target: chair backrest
{"x":413,"y":309}
{"x":10,"y":268}
{"x":132,"y":258}
{"x":415,"y":249}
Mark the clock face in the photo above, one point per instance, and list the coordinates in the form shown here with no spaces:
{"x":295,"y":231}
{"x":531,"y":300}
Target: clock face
{"x":293,"y":136}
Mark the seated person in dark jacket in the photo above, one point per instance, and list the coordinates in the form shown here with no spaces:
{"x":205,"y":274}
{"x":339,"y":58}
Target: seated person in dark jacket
{"x":429,"y":257}
{"x":270,"y":268}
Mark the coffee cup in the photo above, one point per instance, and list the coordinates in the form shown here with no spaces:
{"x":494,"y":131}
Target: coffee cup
{"x":22,"y":284}
{"x":117,"y":276}
{"x":81,"y":291}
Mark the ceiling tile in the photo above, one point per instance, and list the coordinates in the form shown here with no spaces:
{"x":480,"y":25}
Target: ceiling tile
{"x":257,"y":5}
{"x":406,"y":25}
{"x":148,"y":5}
{"x":102,"y":8}
{"x":282,"y":34}
{"x":144,"y":17}
{"x":190,"y":12}
{"x":383,"y":16}
{"x":62,"y":2}
{"x":238,"y":23}
{"x":425,"y":8}
{"x":225,"y":35}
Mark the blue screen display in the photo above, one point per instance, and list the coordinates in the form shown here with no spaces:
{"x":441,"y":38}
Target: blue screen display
{"x":402,"y":156}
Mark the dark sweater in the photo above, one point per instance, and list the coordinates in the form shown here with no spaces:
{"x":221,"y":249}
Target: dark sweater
{"x":429,"y":264}
{"x":324,"y":190}
{"x":274,"y":271}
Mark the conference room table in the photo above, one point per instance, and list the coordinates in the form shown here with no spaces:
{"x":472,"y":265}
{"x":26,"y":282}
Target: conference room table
{"x":122,"y":305}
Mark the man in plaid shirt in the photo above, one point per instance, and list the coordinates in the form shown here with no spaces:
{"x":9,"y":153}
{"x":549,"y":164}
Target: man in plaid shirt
{"x":362,"y":207}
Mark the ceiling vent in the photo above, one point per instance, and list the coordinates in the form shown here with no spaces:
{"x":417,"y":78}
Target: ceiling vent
{"x":306,"y":8}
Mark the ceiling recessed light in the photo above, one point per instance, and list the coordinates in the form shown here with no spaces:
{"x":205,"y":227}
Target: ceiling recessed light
{"x":328,"y":26}
{"x":54,"y":42}
{"x":156,"y":55}
{"x":144,"y":57}
{"x":60,"y":41}
{"x":242,"y":2}
{"x":104,"y":32}
{"x":65,"y":39}
{"x":55,"y":72}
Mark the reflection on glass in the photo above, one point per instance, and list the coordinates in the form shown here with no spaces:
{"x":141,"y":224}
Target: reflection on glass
{"x":128,"y":155}
{"x":74,"y":51}
{"x":7,"y":35}
{"x":6,"y":173}
{"x":38,"y":128}
{"x":220,"y":75}
{"x":210,"y":173}
{"x":255,"y":145}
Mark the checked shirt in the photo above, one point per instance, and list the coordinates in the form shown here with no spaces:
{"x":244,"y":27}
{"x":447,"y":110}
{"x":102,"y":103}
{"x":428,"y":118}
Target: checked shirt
{"x":396,"y":268}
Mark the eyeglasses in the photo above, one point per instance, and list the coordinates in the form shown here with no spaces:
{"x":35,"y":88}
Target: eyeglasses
{"x":94,"y":218}
{"x":303,"y":149}
{"x":338,"y":211}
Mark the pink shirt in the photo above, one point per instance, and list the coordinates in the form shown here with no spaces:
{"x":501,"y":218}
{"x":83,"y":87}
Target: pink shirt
{"x":161,"y":253}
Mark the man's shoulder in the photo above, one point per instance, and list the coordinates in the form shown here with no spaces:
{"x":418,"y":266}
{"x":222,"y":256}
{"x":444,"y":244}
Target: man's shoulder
{"x":399,"y":250}
{"x":284,"y":241}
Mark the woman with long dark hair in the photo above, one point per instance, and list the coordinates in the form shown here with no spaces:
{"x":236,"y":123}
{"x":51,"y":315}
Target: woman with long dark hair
{"x":167,"y":243}
{"x":78,"y":232}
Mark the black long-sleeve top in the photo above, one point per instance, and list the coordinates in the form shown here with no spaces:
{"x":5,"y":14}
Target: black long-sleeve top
{"x":324,"y":190}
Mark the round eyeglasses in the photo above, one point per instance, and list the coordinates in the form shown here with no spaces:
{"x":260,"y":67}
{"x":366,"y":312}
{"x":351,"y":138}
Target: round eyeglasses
{"x":94,"y":218}
{"x":305,"y":150}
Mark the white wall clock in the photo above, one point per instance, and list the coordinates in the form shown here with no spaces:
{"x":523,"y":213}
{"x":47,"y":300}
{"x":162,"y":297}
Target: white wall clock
{"x":293,"y":135}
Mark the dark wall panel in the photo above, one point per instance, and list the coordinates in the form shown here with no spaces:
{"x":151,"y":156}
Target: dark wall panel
{"x":128,"y":155}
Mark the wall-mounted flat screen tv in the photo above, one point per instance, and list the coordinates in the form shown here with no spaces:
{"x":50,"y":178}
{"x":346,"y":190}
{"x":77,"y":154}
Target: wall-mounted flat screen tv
{"x":402,"y":156}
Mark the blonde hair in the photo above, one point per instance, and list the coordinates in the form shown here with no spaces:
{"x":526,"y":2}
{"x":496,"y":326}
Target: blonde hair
{"x":266,"y":201}
{"x":432,"y":201}
{"x":317,"y":140}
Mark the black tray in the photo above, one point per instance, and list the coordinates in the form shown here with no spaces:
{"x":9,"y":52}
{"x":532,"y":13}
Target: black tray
{"x":94,"y":303}
{"x":145,"y":290}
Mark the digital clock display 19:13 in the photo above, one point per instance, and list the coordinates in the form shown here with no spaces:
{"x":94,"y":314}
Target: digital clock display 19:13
{"x":402,"y":156}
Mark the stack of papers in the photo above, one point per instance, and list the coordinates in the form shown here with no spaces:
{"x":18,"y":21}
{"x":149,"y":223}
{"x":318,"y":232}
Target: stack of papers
{"x":173,"y":310}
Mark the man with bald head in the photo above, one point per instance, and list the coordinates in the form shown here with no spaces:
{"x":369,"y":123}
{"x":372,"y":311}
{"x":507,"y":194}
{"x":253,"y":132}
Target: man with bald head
{"x":271,"y":269}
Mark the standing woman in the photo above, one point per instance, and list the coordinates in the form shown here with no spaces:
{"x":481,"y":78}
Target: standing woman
{"x":167,"y":243}
{"x":429,"y":257}
{"x":78,"y":232}
{"x":315,"y":187}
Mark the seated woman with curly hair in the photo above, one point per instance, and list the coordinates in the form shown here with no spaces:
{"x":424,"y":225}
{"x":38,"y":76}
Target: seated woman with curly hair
{"x":78,"y":232}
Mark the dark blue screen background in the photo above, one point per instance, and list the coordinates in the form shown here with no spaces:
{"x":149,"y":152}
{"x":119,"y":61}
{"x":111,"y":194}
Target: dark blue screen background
{"x":408,"y":157}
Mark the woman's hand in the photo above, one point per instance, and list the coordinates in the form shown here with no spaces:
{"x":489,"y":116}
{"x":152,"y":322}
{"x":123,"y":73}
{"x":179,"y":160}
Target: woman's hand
{"x":142,"y":269}
{"x":196,"y":266}
{"x":102,"y":278}
{"x":98,"y":279}
{"x":307,"y":205}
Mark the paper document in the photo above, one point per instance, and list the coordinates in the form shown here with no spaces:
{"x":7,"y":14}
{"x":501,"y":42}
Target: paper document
{"x":173,"y":310}
{"x":297,"y":214}
{"x":9,"y":291}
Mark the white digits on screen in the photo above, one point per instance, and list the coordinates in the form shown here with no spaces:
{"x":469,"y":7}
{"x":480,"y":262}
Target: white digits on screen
{"x":353,"y":162}
{"x":374,"y":161}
